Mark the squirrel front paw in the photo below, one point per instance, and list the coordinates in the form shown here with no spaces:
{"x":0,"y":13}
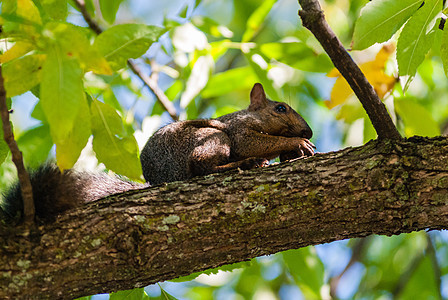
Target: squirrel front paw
{"x":306,"y":148}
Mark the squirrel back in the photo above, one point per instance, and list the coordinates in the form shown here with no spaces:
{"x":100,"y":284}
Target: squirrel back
{"x":243,"y":139}
{"x":55,"y":191}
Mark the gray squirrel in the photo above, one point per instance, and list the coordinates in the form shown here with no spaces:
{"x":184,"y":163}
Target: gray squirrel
{"x":181,"y":150}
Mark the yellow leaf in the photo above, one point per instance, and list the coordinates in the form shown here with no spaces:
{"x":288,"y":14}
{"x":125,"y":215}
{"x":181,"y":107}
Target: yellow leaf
{"x":334,"y":73}
{"x":27,"y":10}
{"x":340,"y":93}
{"x":29,"y":15}
{"x":374,"y":72}
{"x":97,"y":64}
{"x":75,"y":42}
{"x":19,"y":49}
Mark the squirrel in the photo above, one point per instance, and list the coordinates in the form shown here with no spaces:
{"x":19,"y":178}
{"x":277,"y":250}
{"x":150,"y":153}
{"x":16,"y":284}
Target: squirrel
{"x":244,"y":139}
{"x":178,"y":151}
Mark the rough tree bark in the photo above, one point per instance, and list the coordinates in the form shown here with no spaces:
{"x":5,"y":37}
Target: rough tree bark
{"x":141,"y":237}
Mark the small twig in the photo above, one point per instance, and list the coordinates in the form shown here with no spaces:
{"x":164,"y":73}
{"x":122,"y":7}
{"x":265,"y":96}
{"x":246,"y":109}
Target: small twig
{"x":407,"y":275}
{"x":85,"y":14}
{"x":154,"y":87}
{"x":148,"y":81}
{"x":431,"y":251}
{"x":17,"y":158}
{"x":357,"y":251}
{"x":313,"y":18}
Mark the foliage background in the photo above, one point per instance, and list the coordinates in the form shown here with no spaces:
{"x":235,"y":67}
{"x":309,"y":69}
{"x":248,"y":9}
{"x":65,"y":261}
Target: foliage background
{"x":206,"y":63}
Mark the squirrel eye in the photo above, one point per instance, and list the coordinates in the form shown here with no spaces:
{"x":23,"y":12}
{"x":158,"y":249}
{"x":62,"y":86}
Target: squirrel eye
{"x":280,"y":108}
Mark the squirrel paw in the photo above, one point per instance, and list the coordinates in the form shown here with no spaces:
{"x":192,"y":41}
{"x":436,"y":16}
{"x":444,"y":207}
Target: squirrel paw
{"x":306,"y":148}
{"x":254,"y":162}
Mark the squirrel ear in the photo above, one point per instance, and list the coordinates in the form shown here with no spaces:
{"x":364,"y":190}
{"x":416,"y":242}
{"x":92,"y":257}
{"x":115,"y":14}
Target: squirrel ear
{"x":257,"y":97}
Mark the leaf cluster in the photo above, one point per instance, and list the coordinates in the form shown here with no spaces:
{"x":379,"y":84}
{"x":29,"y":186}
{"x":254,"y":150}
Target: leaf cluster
{"x":53,"y":58}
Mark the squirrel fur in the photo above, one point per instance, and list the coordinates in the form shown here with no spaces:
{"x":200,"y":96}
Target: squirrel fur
{"x":55,"y":191}
{"x":243,"y":139}
{"x":178,"y":151}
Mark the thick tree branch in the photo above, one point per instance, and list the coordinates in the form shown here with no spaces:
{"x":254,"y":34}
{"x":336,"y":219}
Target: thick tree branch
{"x":313,"y":18}
{"x":17,"y":158}
{"x":141,"y":237}
{"x":148,"y":81}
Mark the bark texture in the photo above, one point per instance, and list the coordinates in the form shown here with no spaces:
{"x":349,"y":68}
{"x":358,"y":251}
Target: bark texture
{"x":141,"y":237}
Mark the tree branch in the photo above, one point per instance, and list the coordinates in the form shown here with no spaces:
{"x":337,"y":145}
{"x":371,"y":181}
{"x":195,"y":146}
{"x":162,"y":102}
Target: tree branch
{"x":152,"y":85}
{"x":17,"y":158}
{"x":313,"y":18}
{"x":148,"y":81}
{"x":145,"y":236}
{"x":85,"y":14}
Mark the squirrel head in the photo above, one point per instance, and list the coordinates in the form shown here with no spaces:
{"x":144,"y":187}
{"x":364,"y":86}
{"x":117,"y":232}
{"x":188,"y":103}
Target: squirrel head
{"x":277,"y":118}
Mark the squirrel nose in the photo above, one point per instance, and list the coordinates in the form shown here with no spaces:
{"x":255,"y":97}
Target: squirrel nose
{"x":306,"y":133}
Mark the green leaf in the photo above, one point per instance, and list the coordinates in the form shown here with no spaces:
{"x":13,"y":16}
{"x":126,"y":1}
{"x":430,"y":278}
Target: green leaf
{"x":74,"y":41}
{"x":35,"y":144}
{"x":262,"y":75}
{"x":417,"y":120}
{"x":379,"y":20}
{"x":298,"y":55}
{"x":112,"y":144}
{"x":121,"y":42}
{"x":229,"y":267}
{"x":23,"y":19}
{"x":84,"y":298}
{"x":307,"y":270}
{"x":165,"y":295}
{"x":198,"y":2}
{"x":135,"y":294}
{"x":369,"y":130}
{"x":38,"y":112}
{"x":417,"y":37}
{"x":423,"y":283}
{"x":183,"y":12}
{"x":69,"y":149}
{"x":56,"y":9}
{"x":61,"y":92}
{"x":22,"y":74}
{"x":109,"y":9}
{"x":255,"y":21}
{"x":229,"y":81}
{"x":225,"y":110}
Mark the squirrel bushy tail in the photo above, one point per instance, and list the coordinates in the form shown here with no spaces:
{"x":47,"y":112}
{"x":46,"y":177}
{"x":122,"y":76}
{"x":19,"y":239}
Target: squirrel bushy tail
{"x":55,"y":191}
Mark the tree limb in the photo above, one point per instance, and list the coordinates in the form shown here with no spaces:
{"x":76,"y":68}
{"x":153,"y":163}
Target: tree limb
{"x":148,"y":81}
{"x":145,"y":236}
{"x":313,"y":18}
{"x":17,"y":158}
